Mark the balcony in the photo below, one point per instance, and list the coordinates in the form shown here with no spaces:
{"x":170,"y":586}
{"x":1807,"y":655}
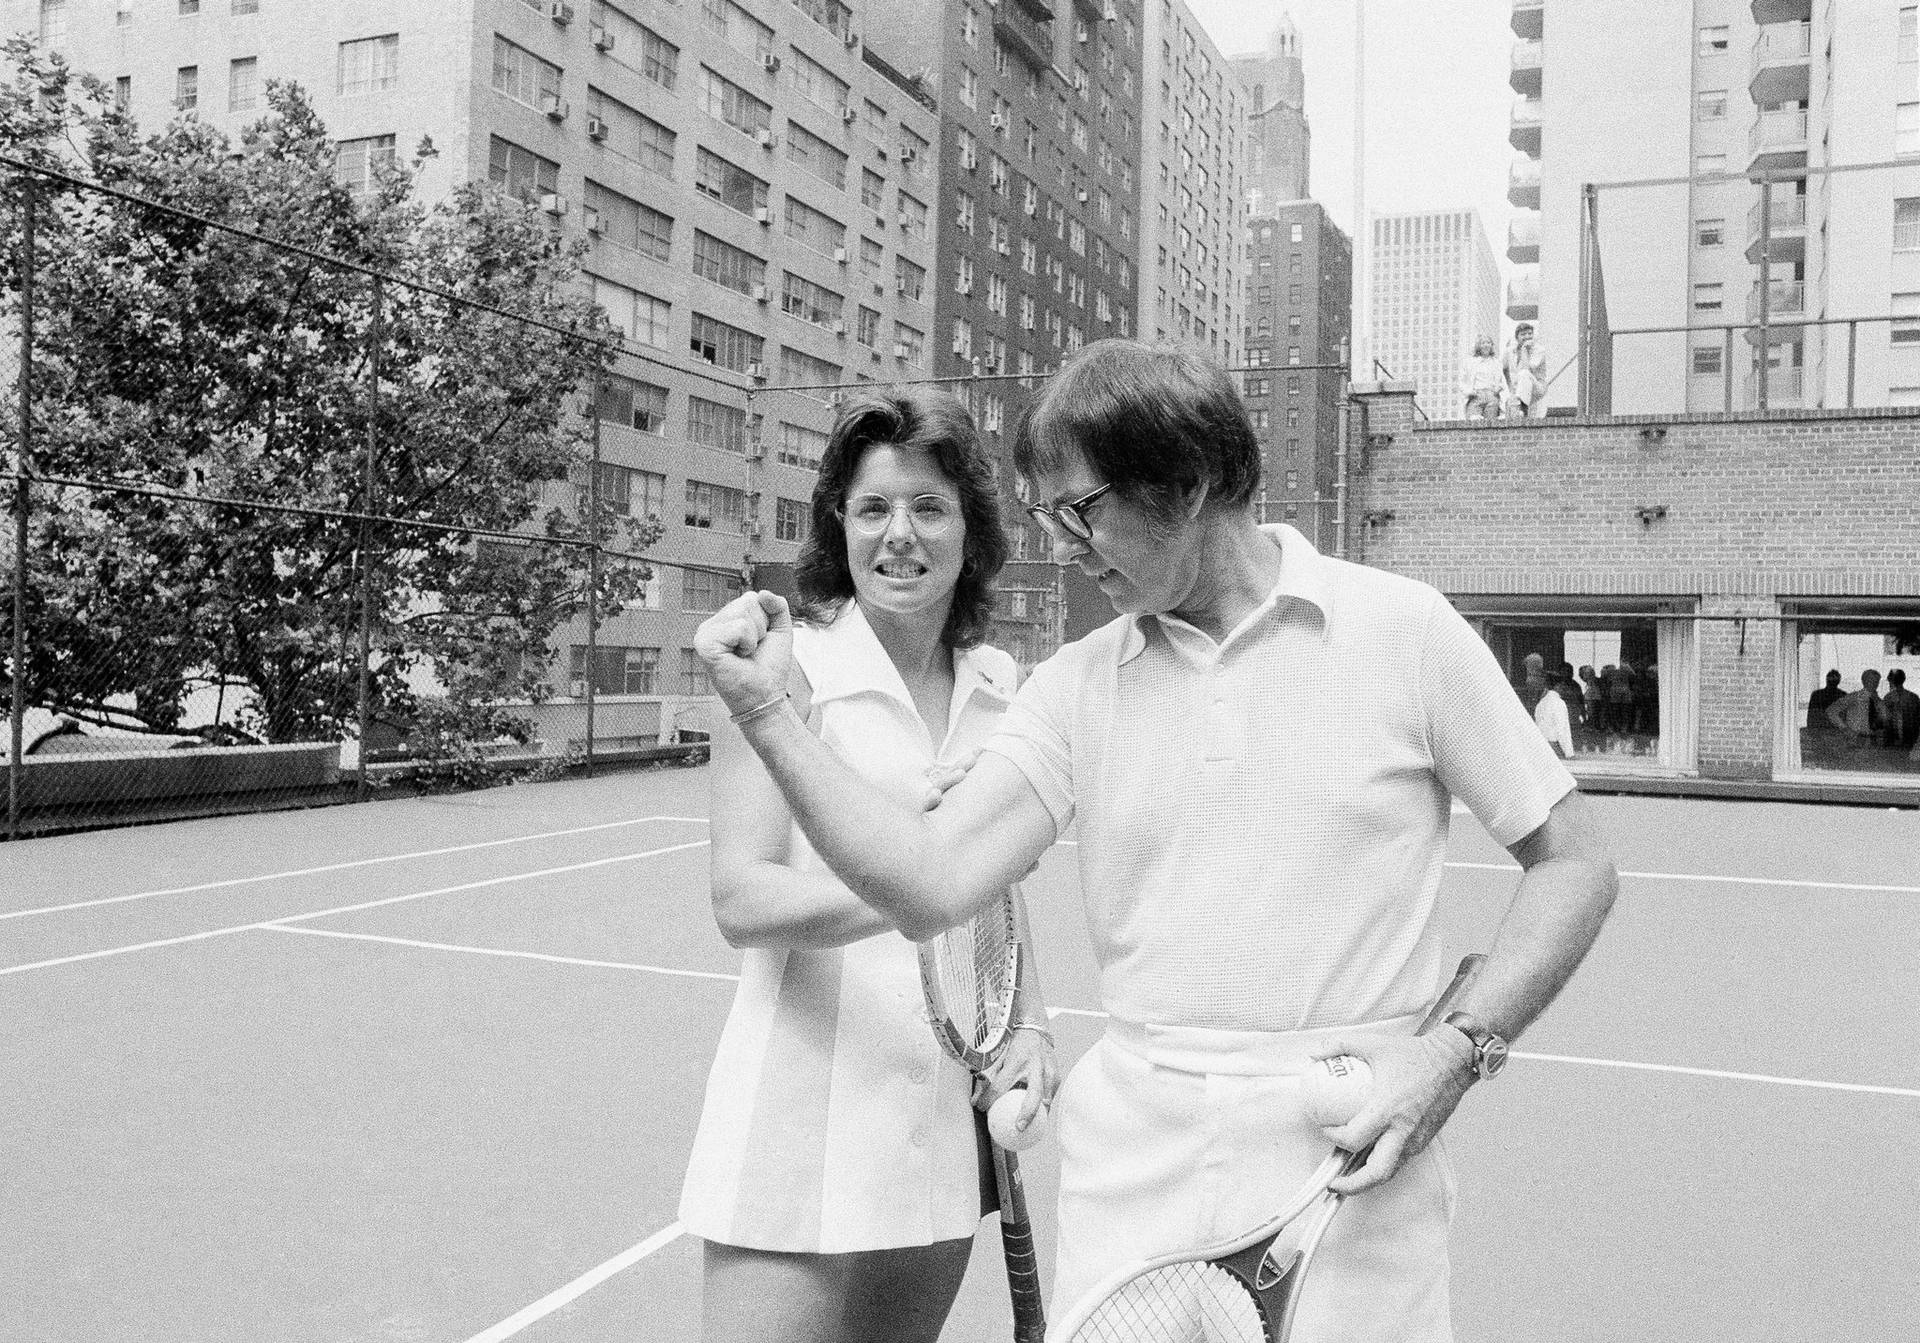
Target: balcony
{"x":1529,"y":17}
{"x":1781,"y":56}
{"x":1523,"y":183}
{"x":1523,"y":294}
{"x":1524,"y":133}
{"x":1523,"y":237}
{"x":1786,"y":300}
{"x":1524,"y":74}
{"x":1782,"y":11}
{"x":1778,"y":140}
{"x":1030,"y":38}
{"x":1785,"y":387}
{"x":1786,"y":228}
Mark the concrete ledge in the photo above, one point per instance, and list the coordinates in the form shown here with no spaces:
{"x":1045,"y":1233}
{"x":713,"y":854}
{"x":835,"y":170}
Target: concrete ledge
{"x":87,"y":780}
{"x":1754,"y":790}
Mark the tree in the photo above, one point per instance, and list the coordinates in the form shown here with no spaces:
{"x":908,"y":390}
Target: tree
{"x":174,"y":354}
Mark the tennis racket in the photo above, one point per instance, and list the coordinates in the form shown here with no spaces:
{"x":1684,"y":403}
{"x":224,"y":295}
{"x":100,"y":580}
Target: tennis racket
{"x":1243,"y":1290}
{"x":968,"y":975}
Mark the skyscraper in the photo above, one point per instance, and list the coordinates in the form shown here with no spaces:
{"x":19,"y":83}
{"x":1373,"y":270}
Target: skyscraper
{"x":1279,"y":141}
{"x":1434,"y":290}
{"x":1715,"y":93}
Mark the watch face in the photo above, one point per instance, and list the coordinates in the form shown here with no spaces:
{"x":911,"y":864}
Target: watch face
{"x":1493,"y":1057}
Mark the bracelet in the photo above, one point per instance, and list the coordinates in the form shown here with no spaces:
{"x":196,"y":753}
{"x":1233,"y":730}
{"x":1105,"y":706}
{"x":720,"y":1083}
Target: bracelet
{"x":759,"y":709}
{"x":1033,"y":1026}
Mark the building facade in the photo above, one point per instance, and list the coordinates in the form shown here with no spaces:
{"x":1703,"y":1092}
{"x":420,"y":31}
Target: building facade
{"x":1726,"y":94}
{"x":1434,"y":290}
{"x":1279,"y":140}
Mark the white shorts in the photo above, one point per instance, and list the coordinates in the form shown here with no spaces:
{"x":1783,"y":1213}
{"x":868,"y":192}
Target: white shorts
{"x":1172,"y":1137}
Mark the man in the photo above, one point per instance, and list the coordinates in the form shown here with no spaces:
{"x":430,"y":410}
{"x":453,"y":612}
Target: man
{"x":1901,"y":709}
{"x":1820,"y":699}
{"x":1524,"y":371}
{"x":1259,"y":755}
{"x":1551,"y":717}
{"x":1858,"y":715}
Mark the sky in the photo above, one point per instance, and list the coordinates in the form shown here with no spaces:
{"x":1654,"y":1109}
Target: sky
{"x":1437,"y":101}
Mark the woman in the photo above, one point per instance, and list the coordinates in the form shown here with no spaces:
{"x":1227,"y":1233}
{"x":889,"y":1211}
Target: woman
{"x":1482,"y":382}
{"x":836,"y":1176}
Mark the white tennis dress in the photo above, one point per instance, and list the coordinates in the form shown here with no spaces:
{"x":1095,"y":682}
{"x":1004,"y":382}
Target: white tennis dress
{"x":833,"y":1122}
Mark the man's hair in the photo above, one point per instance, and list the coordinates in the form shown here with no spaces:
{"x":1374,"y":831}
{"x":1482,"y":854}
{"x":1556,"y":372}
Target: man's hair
{"x":1834,"y":675}
{"x":1150,"y":420}
{"x":1897,"y":676}
{"x":933,"y":422}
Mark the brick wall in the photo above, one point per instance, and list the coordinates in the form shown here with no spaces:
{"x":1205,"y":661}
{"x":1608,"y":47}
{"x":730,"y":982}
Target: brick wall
{"x":1758,"y":507}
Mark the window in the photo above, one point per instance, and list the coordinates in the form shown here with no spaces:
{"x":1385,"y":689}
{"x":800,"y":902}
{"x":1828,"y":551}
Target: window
{"x":800,"y":446}
{"x":791,"y":520}
{"x":1906,"y":45}
{"x":727,"y":346}
{"x":1710,"y":105}
{"x":1709,"y":232}
{"x":1713,"y":41}
{"x":725,"y":101}
{"x":357,"y":162}
{"x":632,"y":404}
{"x":1906,"y":130}
{"x":799,"y":369}
{"x":630,"y":493}
{"x":53,"y":20}
{"x":1297,"y":233}
{"x":908,"y":279}
{"x":693,"y":673}
{"x":1706,"y":165}
{"x":712,"y":425}
{"x":867,"y":328}
{"x":702,"y":590}
{"x":632,"y":135}
{"x":628,"y":223}
{"x":189,"y":6}
{"x":245,"y":7}
{"x":909,"y":344}
{"x":742,"y":31}
{"x":659,"y":59}
{"x":715,"y":507}
{"x":1906,"y":318}
{"x":638,"y":316}
{"x":186,"y":88}
{"x":821,"y":232}
{"x":824,"y":161}
{"x":521,"y":172}
{"x":518,"y":73}
{"x":243,"y":84}
{"x":1707,"y":297}
{"x":372,"y":64}
{"x":1706,"y":360}
{"x":726,"y":265}
{"x":835,"y":17}
{"x":802,"y":299}
{"x":617,"y":670}
{"x":817,"y":84}
{"x":734,"y":187}
{"x":123,"y":92}
{"x":1840,"y":728}
{"x":1906,"y":224}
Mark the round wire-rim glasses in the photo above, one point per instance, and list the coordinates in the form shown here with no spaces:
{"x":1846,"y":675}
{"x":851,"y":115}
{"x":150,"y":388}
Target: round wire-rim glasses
{"x":872,"y":514}
{"x":1068,"y":521}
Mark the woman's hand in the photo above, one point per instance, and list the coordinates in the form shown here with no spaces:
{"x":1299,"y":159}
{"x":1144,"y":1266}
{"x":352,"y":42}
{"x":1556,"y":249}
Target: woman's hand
{"x":1027,"y":1061}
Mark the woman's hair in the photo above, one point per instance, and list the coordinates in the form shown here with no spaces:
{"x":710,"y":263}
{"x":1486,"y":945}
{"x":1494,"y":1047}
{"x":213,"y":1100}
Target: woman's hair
{"x":931,"y":422}
{"x":1483,"y":345}
{"x":1151,"y":421}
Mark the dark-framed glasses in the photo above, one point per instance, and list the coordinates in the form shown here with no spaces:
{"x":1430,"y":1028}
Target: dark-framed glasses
{"x":871,"y":514}
{"x":1068,"y":521}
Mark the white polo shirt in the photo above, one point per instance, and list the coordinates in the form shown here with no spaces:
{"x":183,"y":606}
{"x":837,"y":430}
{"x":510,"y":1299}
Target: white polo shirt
{"x":1262,"y":820}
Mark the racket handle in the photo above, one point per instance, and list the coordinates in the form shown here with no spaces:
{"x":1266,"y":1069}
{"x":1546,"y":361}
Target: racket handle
{"x":1016,"y":1245}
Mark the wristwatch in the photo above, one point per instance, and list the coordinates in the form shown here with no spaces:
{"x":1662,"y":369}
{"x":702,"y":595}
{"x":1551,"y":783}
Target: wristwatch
{"x":1489,"y":1048}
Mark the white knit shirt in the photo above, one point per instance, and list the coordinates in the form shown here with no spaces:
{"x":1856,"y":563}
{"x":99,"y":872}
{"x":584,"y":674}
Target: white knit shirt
{"x":1262,"y":820}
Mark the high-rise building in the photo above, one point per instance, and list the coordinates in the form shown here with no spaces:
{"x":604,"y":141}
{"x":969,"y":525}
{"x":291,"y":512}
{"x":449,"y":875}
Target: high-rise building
{"x":1279,"y":141}
{"x":1193,"y":123}
{"x":757,"y":182}
{"x":1719,"y":91}
{"x":1301,"y":309}
{"x":1433,"y":291}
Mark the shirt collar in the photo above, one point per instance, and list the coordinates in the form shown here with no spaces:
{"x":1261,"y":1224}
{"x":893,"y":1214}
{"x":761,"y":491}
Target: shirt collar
{"x":859,"y":665}
{"x":1304,"y":578}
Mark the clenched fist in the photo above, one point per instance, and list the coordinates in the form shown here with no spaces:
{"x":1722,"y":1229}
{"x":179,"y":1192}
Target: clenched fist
{"x":748,"y":648}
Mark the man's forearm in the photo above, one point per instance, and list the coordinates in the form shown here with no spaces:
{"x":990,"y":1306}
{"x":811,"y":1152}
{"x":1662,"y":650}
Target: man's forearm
{"x":1556,"y":913}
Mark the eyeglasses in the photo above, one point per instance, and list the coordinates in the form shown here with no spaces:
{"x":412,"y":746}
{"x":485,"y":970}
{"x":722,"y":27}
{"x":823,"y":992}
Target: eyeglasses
{"x":871,"y":514}
{"x":1068,"y":521}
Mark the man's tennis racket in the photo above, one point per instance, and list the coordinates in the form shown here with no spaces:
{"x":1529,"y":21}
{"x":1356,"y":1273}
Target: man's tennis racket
{"x":968,"y":975}
{"x":1243,"y":1290}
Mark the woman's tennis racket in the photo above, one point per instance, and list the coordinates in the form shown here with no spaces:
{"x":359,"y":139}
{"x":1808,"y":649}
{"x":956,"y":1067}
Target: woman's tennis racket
{"x":1243,"y":1290}
{"x":969,"y":974}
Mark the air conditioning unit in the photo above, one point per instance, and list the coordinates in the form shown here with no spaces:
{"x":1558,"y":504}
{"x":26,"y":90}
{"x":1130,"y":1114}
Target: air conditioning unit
{"x":1080,"y":196}
{"x":852,"y":39}
{"x":762,"y":215}
{"x":998,"y":122}
{"x":901,"y":349}
{"x":764,"y":137}
{"x":577,"y":689}
{"x":840,"y":256}
{"x":756,"y":450}
{"x":1112,"y":15}
{"x":906,"y":222}
{"x":596,"y":129}
{"x":879,"y":290}
{"x":758,"y":293}
{"x":970,"y":162}
{"x":908,"y":154}
{"x":553,"y":203}
{"x":555,"y":107}
{"x":602,"y":39}
{"x":1081,"y":34}
{"x":560,"y":11}
{"x":769,"y":62}
{"x":590,"y":218}
{"x":849,"y":115}
{"x":757,"y":371}
{"x":879,"y":220}
{"x":900,"y":287}
{"x":964,"y":287}
{"x":840,"y":328}
{"x":753,"y":530}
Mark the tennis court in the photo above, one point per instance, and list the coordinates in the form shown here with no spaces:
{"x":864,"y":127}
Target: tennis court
{"x":427,"y":1070}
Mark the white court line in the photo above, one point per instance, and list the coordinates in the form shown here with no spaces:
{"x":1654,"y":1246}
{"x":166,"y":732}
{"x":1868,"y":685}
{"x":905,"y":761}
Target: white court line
{"x":348,"y":909}
{"x":499,"y":951}
{"x":1720,"y":880}
{"x":334,"y":867}
{"x":586,"y":1282}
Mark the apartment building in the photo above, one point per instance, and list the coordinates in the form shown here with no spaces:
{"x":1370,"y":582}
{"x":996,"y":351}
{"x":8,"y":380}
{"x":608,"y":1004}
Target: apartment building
{"x":1434,"y":290}
{"x":1721,"y":100}
{"x":1194,"y":124}
{"x":755,"y":180}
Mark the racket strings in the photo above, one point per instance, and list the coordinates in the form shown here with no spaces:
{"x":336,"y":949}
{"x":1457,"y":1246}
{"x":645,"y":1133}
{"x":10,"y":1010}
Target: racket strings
{"x":1178,"y":1303}
{"x":975,"y":970}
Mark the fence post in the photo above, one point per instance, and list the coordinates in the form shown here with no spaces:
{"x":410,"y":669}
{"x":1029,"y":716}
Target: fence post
{"x":1726,"y":367}
{"x":1853,"y":342}
{"x":16,"y":758}
{"x":375,"y":335}
{"x":1766,"y":288}
{"x":593,"y":573}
